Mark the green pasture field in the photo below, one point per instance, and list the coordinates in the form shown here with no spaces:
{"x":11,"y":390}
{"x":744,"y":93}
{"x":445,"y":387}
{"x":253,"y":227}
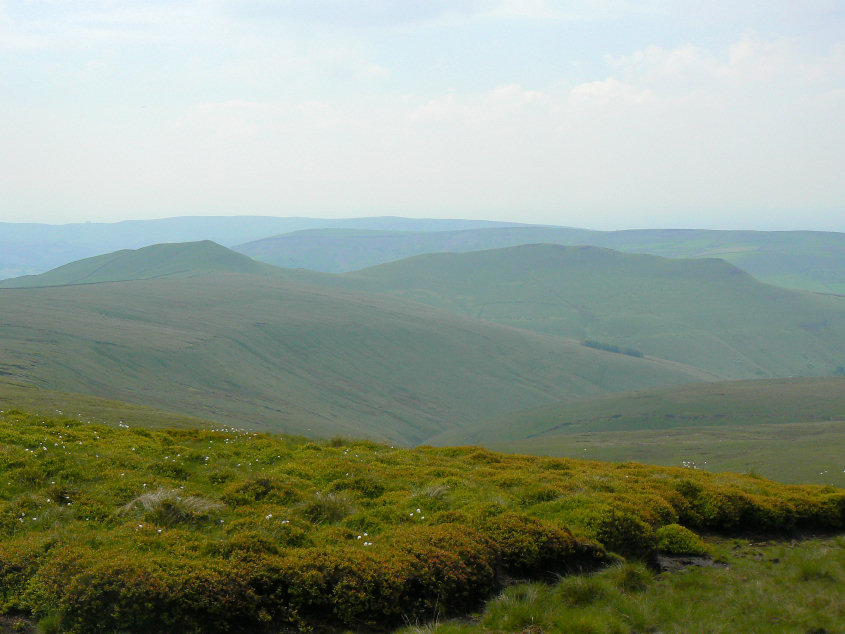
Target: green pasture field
{"x":805,"y":453}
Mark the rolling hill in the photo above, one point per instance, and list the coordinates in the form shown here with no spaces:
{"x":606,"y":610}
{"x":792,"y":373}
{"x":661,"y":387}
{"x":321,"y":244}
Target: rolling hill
{"x":776,"y":401}
{"x":701,"y":312}
{"x":32,"y":248}
{"x":159,"y":260}
{"x":792,"y":429}
{"x":808,"y":260}
{"x":220,"y":337}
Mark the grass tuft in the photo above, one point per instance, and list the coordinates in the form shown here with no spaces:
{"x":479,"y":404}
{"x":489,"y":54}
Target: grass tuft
{"x":170,"y":508}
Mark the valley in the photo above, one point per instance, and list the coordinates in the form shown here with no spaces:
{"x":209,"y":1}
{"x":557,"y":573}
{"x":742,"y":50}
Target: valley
{"x":322,"y":447}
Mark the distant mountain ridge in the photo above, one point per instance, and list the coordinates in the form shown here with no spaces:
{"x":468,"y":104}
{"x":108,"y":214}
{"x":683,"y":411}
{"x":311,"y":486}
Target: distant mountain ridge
{"x":32,"y":248}
{"x":808,"y":260}
{"x":805,"y":260}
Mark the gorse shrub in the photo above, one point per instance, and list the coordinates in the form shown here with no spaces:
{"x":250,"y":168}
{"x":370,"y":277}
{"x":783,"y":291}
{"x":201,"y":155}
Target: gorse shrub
{"x":531,"y":547}
{"x":367,"y":486}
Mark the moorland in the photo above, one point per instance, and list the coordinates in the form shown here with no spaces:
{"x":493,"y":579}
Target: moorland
{"x":414,"y":417}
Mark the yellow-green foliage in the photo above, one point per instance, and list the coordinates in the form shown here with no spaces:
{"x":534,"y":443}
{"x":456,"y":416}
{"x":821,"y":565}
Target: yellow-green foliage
{"x":674,"y":539}
{"x":139,"y":530}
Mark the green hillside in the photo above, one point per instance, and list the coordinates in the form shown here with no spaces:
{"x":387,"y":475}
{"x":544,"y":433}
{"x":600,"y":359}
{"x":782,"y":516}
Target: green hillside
{"x":159,"y":260}
{"x":109,"y":529}
{"x":701,"y":312}
{"x":280,"y":355}
{"x":342,"y":250}
{"x":726,"y":403}
{"x":791,"y":430}
{"x":806,"y":260}
{"x":32,"y":248}
{"x":87,"y":408}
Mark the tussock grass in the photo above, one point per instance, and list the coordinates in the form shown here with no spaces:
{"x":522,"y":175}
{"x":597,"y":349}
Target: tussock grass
{"x":328,"y":508}
{"x":169,"y":507}
{"x":793,"y":587}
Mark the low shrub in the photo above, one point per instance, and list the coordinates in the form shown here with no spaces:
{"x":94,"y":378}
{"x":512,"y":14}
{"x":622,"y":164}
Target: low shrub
{"x":365,"y":485}
{"x":674,"y":539}
{"x":528,"y":546}
{"x":626,"y":534}
{"x":106,"y":542}
{"x":262,"y":489}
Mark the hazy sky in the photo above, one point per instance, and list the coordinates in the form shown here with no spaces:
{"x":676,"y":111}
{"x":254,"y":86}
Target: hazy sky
{"x":603,"y":114}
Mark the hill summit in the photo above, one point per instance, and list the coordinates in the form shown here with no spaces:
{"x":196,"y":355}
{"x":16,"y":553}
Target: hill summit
{"x":184,"y":259}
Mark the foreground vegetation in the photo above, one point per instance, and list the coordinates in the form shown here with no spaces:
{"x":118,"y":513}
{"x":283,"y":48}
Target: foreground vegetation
{"x":749,"y":587}
{"x":131,"y":529}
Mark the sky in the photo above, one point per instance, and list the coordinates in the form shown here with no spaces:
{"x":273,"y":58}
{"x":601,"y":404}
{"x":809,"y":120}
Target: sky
{"x":604,"y":114}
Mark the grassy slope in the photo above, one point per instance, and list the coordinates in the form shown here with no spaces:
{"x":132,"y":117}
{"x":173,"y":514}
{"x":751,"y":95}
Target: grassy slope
{"x":726,"y":403}
{"x":756,"y":586}
{"x":704,"y":313}
{"x":791,"y":430}
{"x":292,"y":357}
{"x":159,"y":260}
{"x":84,"y":407}
{"x":789,"y":452}
{"x":237,"y":529}
{"x":806,"y":260}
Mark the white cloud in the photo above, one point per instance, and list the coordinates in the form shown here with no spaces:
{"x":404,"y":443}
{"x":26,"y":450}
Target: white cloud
{"x":275,"y":113}
{"x":609,"y":91}
{"x":749,"y":59}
